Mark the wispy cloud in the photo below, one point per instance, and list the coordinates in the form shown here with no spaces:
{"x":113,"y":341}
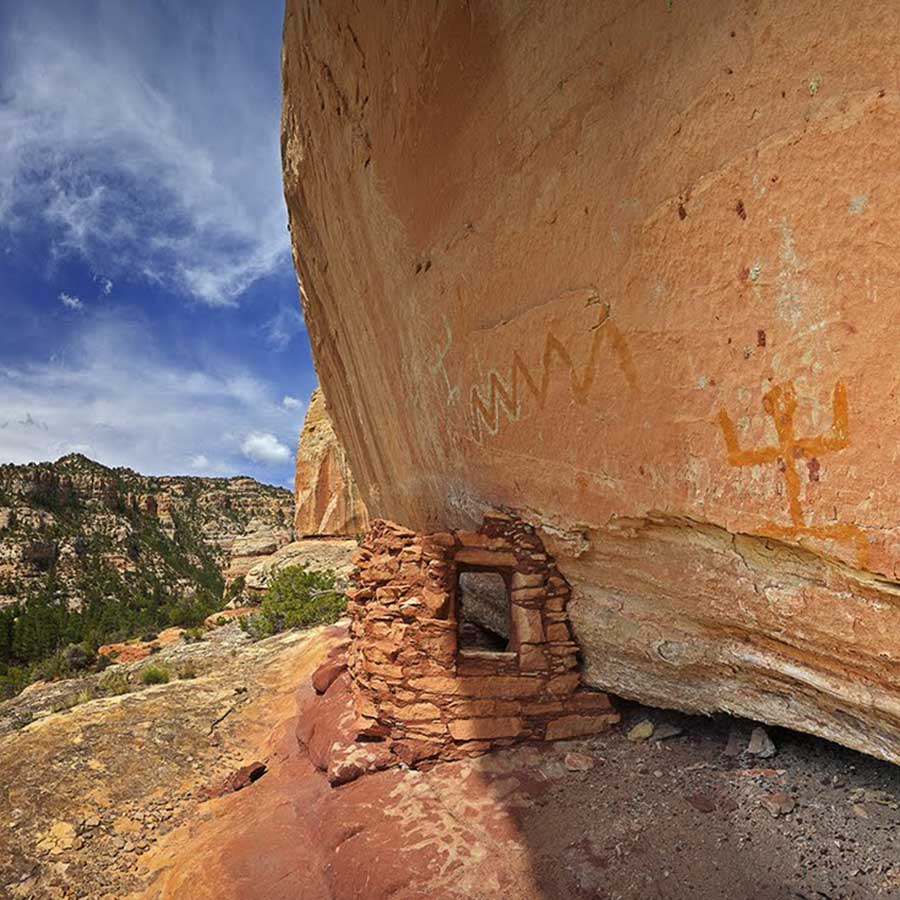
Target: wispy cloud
{"x":106,"y":284}
{"x":70,"y":301}
{"x":286,"y":324}
{"x":144,"y":144}
{"x":114,"y":396}
{"x":289,"y":402}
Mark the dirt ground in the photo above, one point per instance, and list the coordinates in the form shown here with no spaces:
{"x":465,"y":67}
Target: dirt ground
{"x":679,"y":818}
{"x":92,"y":793}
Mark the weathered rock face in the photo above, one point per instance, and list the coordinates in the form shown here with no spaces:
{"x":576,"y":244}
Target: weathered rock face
{"x":74,"y":517}
{"x":626,"y":270}
{"x":318,"y":554}
{"x":327,"y":499}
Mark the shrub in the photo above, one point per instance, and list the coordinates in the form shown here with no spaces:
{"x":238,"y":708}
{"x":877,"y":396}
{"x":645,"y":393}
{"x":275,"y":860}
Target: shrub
{"x":234,"y":590}
{"x":154,"y":674}
{"x":114,"y":683}
{"x":77,"y":657}
{"x":149,"y":636}
{"x":297,"y":598}
{"x":15,"y":679}
{"x":187,"y":670}
{"x":192,"y":635}
{"x":71,"y":700}
{"x":103,"y":662}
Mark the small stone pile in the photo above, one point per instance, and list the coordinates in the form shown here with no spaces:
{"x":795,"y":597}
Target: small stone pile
{"x":415,"y":688}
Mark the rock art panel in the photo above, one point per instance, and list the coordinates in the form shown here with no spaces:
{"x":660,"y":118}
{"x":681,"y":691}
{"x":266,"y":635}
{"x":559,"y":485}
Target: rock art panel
{"x":780,"y":404}
{"x":553,"y":258}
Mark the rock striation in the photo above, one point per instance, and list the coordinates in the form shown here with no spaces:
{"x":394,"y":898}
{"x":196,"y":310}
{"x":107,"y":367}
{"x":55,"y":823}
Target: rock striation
{"x":327,"y":499}
{"x":626,"y":271}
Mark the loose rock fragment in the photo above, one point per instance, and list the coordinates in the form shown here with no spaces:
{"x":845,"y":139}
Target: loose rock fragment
{"x":761,"y":744}
{"x":666,"y":731}
{"x":778,"y":804}
{"x":735,"y":742}
{"x":702,"y":802}
{"x":579,"y":762}
{"x":641,"y":732}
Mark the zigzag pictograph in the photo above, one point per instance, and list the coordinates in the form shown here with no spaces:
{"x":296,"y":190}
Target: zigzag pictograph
{"x":507,"y":397}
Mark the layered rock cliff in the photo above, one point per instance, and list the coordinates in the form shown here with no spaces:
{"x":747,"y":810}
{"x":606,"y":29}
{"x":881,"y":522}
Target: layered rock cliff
{"x":90,"y":550}
{"x":626,"y":270}
{"x":327,"y":499}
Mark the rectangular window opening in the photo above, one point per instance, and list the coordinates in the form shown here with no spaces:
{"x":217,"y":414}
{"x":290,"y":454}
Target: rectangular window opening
{"x":482,"y":612}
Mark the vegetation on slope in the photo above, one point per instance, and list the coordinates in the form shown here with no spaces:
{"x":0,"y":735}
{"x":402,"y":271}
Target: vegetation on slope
{"x":88,"y":556}
{"x":297,"y":598}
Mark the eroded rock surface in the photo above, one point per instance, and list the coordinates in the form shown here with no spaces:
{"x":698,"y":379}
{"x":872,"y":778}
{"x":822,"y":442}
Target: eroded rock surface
{"x":317,"y":554}
{"x":94,"y":778}
{"x":626,"y":270}
{"x":75,"y":519}
{"x":327,"y":499}
{"x":106,"y":800}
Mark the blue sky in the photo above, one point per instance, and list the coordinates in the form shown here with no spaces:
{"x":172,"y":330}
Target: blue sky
{"x":149,"y":310}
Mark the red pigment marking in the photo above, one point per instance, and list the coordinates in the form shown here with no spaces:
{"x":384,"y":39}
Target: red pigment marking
{"x":682,"y":212}
{"x":813,"y":466}
{"x":739,"y":209}
{"x":761,"y":338}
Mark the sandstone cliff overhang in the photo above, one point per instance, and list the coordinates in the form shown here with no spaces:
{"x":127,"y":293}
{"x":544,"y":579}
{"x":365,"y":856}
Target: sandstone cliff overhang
{"x":628,"y":274}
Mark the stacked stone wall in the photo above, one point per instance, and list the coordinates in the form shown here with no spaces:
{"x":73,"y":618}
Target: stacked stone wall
{"x":411,"y":682}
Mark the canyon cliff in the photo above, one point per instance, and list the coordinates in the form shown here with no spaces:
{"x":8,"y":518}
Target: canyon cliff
{"x":93,"y":553}
{"x":626,"y":271}
{"x":327,"y":499}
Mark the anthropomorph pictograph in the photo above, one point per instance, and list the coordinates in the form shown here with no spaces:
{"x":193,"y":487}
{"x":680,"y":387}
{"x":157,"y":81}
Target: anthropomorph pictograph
{"x":780,"y":403}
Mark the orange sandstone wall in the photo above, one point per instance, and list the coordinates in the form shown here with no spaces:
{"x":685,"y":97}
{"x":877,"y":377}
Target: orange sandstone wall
{"x":326,"y":496}
{"x":629,"y":271}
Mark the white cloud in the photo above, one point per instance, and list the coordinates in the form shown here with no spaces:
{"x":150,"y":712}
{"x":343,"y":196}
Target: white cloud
{"x":289,"y":402}
{"x":265,"y":448}
{"x":281,"y":328}
{"x":106,"y":284}
{"x":111,"y":394}
{"x":146,"y":142}
{"x":70,"y":301}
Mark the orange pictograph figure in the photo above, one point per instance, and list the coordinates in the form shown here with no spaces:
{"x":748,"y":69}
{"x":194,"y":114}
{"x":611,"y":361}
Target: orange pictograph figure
{"x":780,"y":403}
{"x":506,"y":395}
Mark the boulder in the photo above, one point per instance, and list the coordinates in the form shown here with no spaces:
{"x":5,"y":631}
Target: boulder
{"x":316,"y":553}
{"x":628,"y":274}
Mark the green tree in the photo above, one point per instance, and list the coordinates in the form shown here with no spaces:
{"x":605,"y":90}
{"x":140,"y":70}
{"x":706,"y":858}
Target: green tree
{"x":298,"y":598}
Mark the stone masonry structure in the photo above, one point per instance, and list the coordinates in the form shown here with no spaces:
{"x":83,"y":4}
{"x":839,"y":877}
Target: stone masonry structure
{"x":415,"y":687}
